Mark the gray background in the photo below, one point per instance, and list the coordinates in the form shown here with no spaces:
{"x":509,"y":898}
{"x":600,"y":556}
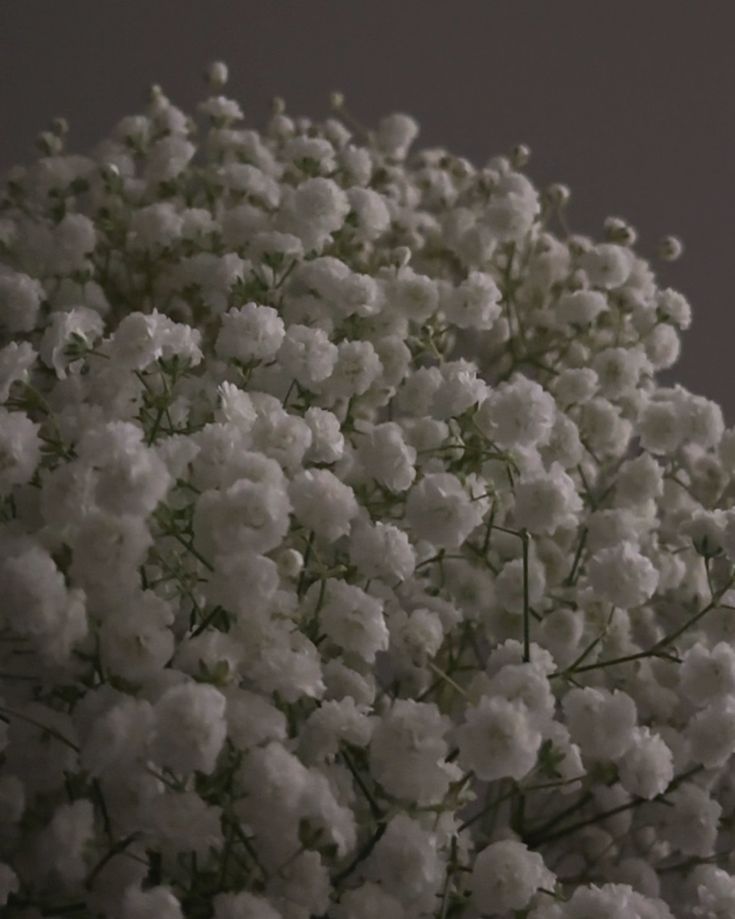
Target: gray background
{"x":629,"y":102}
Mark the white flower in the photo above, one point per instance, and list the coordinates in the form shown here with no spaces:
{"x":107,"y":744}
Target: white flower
{"x":711,"y":734}
{"x":20,"y":449}
{"x":407,"y":752}
{"x":707,"y":675}
{"x":246,"y":516}
{"x":65,"y":839}
{"x":382,"y":550}
{"x":475,"y":304}
{"x":250,"y":333}
{"x":646,"y":768}
{"x":153,"y":903}
{"x":607,"y":265}
{"x":662,"y":427}
{"x":497,"y":740}
{"x":581,"y":307}
{"x":387,"y":457}
{"x":517,"y":414}
{"x":322,"y":503}
{"x":505,"y":877}
{"x":335,"y":490}
{"x":155,"y":226}
{"x":441,"y":511}
{"x":396,"y":133}
{"x":600,"y":721}
{"x":690,"y":824}
{"x":16,"y":359}
{"x":314,"y":210}
{"x":622,"y":576}
{"x":242,"y":905}
{"x":189,"y":727}
{"x":639,"y":480}
{"x":352,"y":619}
{"x":307,"y":354}
{"x":545,"y":502}
{"x":80,"y":325}
{"x":416,"y":296}
{"x":407,"y":863}
{"x":327,"y":441}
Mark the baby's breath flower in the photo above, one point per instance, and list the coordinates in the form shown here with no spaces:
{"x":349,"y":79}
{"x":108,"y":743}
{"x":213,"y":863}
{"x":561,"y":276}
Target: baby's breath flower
{"x":353,"y":560}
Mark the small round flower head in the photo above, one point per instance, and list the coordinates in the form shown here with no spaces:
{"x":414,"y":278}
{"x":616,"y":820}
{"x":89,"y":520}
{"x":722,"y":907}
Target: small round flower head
{"x":646,"y":768}
{"x":601,"y":722}
{"x":662,"y":427}
{"x":497,"y":740}
{"x":622,"y":576}
{"x":16,"y":359}
{"x":250,"y":333}
{"x":407,"y":751}
{"x":581,"y":307}
{"x":382,"y":550}
{"x":352,"y":619}
{"x":715,"y":891}
{"x":690,"y":825}
{"x":20,"y":449}
{"x":517,"y":414}
{"x":314,"y":210}
{"x":387,"y":457}
{"x":243,"y":905}
{"x":189,"y":727}
{"x":307,"y":354}
{"x":246,"y":516}
{"x":670,"y":248}
{"x":545,"y":502}
{"x":711,"y":734}
{"x":440,"y":510}
{"x":416,"y":296}
{"x":575,"y":385}
{"x":607,"y":265}
{"x":475,"y":304}
{"x":505,"y":877}
{"x":322,"y":503}
{"x":396,"y":133}
{"x":152,"y":903}
{"x":707,"y":675}
{"x":20,"y":300}
{"x":639,"y":480}
{"x":407,"y":862}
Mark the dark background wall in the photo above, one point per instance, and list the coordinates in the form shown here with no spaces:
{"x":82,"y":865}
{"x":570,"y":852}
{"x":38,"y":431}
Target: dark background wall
{"x":629,"y":102}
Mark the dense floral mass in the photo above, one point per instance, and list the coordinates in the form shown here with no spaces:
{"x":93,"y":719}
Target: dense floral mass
{"x":353,"y":563}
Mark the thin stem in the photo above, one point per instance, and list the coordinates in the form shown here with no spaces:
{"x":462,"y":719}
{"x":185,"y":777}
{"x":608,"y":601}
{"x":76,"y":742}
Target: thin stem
{"x":526,"y":614}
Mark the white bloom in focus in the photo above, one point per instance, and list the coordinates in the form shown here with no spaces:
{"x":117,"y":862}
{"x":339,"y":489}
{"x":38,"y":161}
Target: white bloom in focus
{"x":250,"y":333}
{"x":382,"y":550}
{"x":387,"y":457}
{"x":546,"y":502}
{"x":20,"y":449}
{"x":622,"y":576}
{"x":189,"y":727}
{"x":505,"y":876}
{"x":352,"y":619}
{"x":646,"y":769}
{"x":519,"y":413}
{"x":152,"y":903}
{"x":322,"y":503}
{"x":441,"y":511}
{"x":497,"y":740}
{"x":601,"y":722}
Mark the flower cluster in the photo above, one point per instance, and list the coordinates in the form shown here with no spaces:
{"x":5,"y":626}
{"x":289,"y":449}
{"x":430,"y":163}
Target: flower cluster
{"x":353,"y":562}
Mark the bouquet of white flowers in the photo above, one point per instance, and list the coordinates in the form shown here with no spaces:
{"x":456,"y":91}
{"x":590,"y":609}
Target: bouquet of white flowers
{"x":353,"y":563}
